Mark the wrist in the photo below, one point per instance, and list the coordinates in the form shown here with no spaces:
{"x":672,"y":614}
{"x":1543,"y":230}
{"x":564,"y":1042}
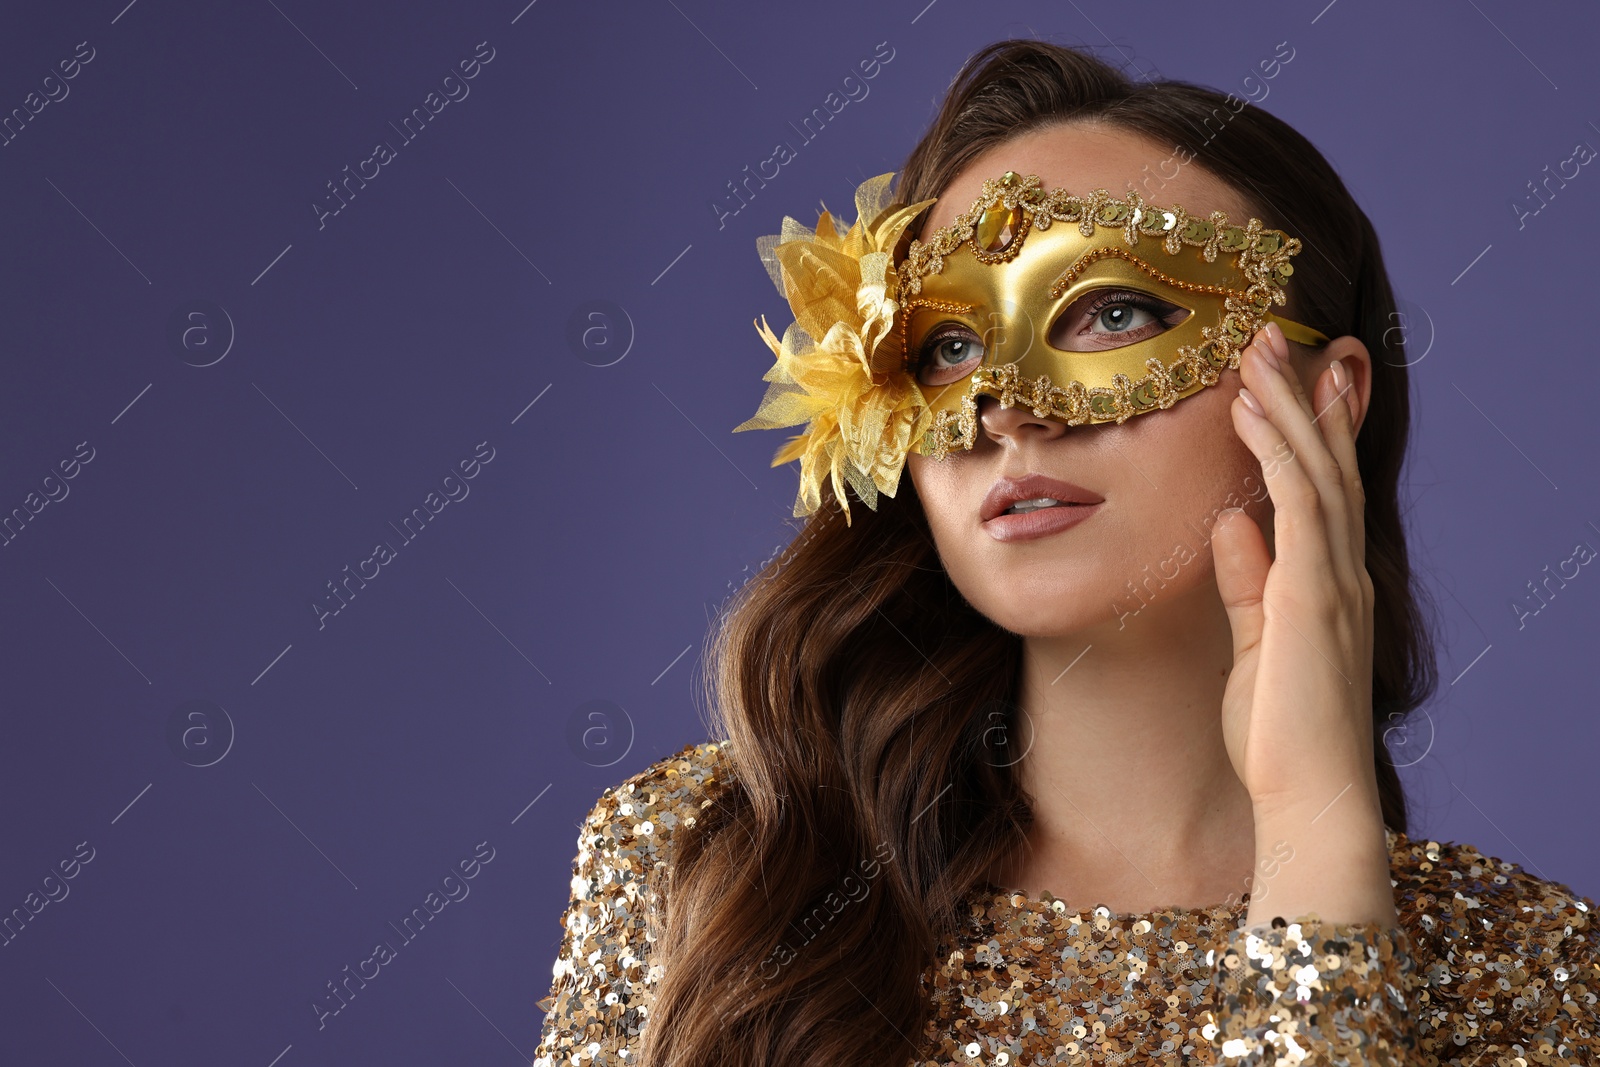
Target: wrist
{"x":1349,"y":834}
{"x":1338,"y":798}
{"x":1325,"y":852}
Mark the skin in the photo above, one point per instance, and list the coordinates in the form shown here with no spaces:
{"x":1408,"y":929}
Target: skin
{"x":1177,"y":753}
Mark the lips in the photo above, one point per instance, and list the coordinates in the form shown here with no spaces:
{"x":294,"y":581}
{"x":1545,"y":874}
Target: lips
{"x":1007,"y":491}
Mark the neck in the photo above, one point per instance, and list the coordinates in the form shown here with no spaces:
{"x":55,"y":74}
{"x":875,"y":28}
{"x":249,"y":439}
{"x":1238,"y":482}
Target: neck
{"x":1135,"y":799}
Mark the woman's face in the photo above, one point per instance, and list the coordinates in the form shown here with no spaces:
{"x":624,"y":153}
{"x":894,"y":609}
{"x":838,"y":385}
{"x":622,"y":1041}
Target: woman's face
{"x":1161,"y":476}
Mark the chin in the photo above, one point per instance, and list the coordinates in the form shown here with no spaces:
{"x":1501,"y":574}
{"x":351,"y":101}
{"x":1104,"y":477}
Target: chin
{"x":1043,"y":608}
{"x":1057,"y":597}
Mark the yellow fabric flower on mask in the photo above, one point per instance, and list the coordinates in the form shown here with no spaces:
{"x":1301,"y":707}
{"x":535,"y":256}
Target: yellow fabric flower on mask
{"x":838,"y":366}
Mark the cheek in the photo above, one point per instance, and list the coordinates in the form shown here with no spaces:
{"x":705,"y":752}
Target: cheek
{"x":941,"y":488}
{"x":1168,"y":474}
{"x":951,"y":491}
{"x":936,"y":480}
{"x":1193,"y":466}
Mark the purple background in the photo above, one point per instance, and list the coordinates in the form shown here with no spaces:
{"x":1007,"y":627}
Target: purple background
{"x":366,"y":756}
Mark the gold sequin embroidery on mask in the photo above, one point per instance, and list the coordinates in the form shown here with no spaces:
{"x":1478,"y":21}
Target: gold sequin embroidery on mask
{"x":1263,"y":261}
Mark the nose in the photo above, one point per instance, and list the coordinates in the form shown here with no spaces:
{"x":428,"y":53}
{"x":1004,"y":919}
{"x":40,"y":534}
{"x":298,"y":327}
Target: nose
{"x":1017,"y":421}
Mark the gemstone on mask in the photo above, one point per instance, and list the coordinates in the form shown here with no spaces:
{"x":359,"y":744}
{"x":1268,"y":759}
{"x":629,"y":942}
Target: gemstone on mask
{"x":997,"y":227}
{"x":995,"y":233}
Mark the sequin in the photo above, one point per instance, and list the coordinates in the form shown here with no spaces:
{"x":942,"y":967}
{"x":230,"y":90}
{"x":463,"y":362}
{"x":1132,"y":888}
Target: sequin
{"x":1489,"y":966}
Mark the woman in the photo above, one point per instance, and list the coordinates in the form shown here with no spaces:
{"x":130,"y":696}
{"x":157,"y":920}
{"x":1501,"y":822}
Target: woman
{"x":1069,"y":747}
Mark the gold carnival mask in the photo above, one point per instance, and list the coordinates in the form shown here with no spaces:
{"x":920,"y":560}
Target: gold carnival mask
{"x":1003,"y":300}
{"x":869,"y":363}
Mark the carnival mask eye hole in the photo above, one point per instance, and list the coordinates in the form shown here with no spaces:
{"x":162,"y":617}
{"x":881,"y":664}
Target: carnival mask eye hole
{"x":1110,"y":318}
{"x":950,"y":353}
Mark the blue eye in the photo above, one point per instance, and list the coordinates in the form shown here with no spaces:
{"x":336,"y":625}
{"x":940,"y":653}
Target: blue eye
{"x":1122,"y":316}
{"x":1111,"y":318}
{"x":948,"y":355}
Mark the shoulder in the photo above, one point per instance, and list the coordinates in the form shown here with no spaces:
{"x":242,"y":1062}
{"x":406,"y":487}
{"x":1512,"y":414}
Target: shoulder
{"x":1503,"y":955}
{"x":608,"y":933}
{"x":1456,"y":895}
{"x":633,"y":823}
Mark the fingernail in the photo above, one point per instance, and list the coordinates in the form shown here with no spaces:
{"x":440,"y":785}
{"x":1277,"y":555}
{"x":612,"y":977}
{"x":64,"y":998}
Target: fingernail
{"x":1251,"y":402}
{"x":1278,"y":343}
{"x":1269,"y":359}
{"x":1338,"y":374}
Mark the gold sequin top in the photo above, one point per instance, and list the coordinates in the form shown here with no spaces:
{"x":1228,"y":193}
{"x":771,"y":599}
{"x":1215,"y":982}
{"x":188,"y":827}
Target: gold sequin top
{"x":1489,"y":967}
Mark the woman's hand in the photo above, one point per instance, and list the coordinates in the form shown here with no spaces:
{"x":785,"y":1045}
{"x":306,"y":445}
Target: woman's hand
{"x":1297,"y":708}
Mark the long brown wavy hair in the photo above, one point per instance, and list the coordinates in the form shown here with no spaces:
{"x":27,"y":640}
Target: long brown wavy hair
{"x":869,"y":787}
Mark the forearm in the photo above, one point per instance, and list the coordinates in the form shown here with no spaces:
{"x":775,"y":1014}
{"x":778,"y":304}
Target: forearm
{"x":1334,"y":988}
{"x":1338,"y":857}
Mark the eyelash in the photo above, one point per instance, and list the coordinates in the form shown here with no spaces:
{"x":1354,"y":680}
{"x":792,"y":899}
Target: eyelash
{"x":941,"y":336}
{"x":1142,"y":301}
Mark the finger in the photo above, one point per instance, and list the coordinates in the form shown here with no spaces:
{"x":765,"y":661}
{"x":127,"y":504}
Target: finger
{"x":1318,"y":598}
{"x":1333,"y":403}
{"x":1320,"y":499}
{"x":1327,"y":462}
{"x":1346,"y":528}
{"x":1241,"y":560}
{"x":1298,"y":519}
{"x":1265,"y":338}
